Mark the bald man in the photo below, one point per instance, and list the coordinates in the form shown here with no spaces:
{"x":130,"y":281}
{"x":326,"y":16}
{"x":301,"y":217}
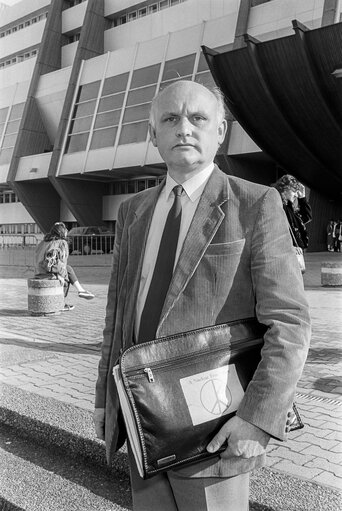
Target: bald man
{"x":232,"y":259}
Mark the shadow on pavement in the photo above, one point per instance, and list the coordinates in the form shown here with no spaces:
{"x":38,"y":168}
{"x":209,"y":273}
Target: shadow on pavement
{"x":53,"y":346}
{"x":322,"y":355}
{"x":111,"y":484}
{"x":328,"y":385}
{"x":254,"y":506}
{"x":14,"y":312}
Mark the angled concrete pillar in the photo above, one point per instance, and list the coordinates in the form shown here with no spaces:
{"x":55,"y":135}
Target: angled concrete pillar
{"x":83,"y":198}
{"x":32,"y":136}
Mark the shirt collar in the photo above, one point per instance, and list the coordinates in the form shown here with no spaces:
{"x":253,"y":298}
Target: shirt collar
{"x":193,"y":187}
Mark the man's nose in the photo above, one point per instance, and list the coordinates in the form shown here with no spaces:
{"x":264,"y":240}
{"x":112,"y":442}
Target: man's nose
{"x":183,"y":127}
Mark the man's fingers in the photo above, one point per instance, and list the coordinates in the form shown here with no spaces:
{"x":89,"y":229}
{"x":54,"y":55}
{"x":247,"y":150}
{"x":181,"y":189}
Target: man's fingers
{"x":219,"y":439}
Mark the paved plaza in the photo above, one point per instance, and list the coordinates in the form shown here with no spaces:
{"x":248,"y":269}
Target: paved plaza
{"x":56,"y":357}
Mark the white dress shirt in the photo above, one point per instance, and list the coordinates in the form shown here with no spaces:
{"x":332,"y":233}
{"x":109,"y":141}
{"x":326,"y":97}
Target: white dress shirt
{"x":193,"y":189}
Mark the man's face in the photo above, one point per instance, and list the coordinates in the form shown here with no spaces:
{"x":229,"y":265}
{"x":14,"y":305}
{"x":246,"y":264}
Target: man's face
{"x":187,"y":129}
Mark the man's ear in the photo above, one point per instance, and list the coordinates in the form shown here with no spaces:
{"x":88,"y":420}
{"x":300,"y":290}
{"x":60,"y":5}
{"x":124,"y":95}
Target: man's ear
{"x":153,"y":136}
{"x":222,"y":130}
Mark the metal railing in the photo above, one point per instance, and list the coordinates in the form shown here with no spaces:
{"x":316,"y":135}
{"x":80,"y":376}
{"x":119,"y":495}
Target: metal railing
{"x":91,"y":244}
{"x":18,"y":250}
{"x":18,"y":240}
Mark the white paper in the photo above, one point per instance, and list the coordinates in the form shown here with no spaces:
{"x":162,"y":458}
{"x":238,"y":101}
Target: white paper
{"x":212,"y":394}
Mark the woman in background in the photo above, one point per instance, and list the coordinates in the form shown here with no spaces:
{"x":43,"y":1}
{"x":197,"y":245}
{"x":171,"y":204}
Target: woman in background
{"x":51,"y":259}
{"x":296,"y":207}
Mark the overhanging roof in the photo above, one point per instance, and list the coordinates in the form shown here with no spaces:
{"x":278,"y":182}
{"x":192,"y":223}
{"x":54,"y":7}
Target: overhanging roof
{"x":284,"y":93}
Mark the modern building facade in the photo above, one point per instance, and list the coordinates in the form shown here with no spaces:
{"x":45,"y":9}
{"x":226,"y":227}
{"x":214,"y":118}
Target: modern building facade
{"x":76,"y":82}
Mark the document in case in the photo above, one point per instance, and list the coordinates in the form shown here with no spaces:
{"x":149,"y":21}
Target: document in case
{"x":212,"y":394}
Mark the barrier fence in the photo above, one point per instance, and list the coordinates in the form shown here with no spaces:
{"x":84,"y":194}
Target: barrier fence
{"x":19,"y":250}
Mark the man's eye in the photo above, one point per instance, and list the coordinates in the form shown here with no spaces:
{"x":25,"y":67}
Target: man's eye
{"x":198,"y":118}
{"x":171,"y":118}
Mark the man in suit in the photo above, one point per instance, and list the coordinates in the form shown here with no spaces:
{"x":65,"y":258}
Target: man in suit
{"x":233,"y":259}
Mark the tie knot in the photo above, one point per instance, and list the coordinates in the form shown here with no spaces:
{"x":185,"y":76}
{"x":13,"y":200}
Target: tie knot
{"x":178,"y":190}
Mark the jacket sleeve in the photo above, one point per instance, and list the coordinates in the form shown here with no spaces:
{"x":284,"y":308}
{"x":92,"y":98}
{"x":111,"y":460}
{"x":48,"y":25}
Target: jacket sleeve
{"x":281,"y":305}
{"x":108,"y":332}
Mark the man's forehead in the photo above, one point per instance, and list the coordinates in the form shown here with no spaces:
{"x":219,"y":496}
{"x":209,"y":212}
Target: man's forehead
{"x":186,"y":97}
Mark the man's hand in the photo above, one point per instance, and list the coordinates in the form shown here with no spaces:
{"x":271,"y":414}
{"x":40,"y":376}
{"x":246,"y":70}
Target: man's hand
{"x":99,"y":421}
{"x":244,"y":439}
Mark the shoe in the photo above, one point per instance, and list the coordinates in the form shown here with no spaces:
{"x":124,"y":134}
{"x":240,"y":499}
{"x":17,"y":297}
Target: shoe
{"x":86,"y":294}
{"x":67,"y":308}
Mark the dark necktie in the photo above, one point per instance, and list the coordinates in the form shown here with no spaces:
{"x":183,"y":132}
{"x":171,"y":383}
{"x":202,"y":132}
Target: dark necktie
{"x":163,"y":271}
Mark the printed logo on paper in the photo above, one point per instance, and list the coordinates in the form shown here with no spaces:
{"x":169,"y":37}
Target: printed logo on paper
{"x":212,"y":394}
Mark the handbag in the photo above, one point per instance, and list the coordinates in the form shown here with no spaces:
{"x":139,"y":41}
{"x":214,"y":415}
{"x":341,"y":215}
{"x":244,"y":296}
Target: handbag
{"x":176,"y":392}
{"x":299,"y":252}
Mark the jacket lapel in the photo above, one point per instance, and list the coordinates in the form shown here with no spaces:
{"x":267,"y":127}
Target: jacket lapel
{"x":206,"y":221}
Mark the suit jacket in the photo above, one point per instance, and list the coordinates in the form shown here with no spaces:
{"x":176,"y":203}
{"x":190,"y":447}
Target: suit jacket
{"x":237,"y":261}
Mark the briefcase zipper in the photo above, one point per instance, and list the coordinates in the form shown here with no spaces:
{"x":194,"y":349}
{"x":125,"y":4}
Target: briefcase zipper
{"x":149,"y":373}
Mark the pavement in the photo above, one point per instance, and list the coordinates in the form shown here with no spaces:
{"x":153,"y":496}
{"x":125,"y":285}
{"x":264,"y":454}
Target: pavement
{"x":48,"y":369}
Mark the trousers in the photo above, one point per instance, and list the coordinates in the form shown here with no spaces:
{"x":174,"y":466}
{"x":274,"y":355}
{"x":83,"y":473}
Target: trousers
{"x":170,"y":491}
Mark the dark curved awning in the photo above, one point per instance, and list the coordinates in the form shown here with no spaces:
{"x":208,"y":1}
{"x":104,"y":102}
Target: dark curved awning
{"x":285,"y":95}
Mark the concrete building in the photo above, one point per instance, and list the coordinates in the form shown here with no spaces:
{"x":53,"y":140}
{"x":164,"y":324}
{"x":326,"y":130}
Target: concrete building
{"x":76,"y":82}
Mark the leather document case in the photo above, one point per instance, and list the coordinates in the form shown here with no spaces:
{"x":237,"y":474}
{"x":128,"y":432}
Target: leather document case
{"x":177,"y":391}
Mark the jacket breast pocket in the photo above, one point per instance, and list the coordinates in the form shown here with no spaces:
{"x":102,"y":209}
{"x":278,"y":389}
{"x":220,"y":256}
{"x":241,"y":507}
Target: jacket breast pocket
{"x":225,"y":249}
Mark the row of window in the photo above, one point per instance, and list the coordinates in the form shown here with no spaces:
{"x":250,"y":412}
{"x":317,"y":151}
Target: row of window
{"x":144,"y":10}
{"x":258,"y":2}
{"x":134,"y":185}
{"x":72,"y":3}
{"x":19,"y":229}
{"x":24,"y":24}
{"x":73,"y":38}
{"x":111,"y":113}
{"x":9,"y":127}
{"x":8,"y":196}
{"x":19,"y":58}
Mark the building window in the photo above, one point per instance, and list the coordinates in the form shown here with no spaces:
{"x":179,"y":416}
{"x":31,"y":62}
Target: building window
{"x":133,"y":133}
{"x":82,"y":117}
{"x":22,"y":25}
{"x":134,"y":185}
{"x":163,"y":4}
{"x":144,"y":10}
{"x":132,"y":16}
{"x":88,"y":91}
{"x":137,"y":111}
{"x":103,"y":138}
{"x":178,"y":68}
{"x":6,"y":155}
{"x":258,"y":2}
{"x":109,"y":111}
{"x":77,"y":143}
{"x":152,"y":8}
{"x":10,"y":130}
{"x":73,"y":38}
